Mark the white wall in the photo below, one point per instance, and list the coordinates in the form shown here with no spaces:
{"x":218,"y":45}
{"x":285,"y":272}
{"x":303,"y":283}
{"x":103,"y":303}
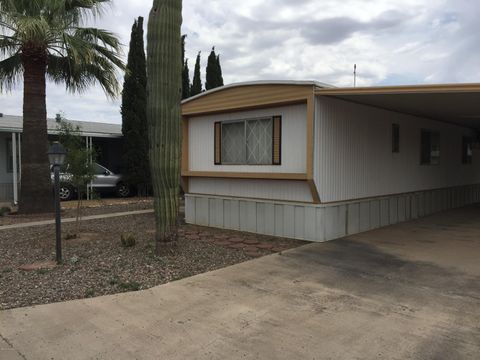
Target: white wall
{"x":353,"y":156}
{"x":294,"y":120}
{"x":259,"y":189}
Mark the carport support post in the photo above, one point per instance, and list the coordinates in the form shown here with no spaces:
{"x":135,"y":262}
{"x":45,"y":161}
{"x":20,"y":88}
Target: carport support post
{"x":58,"y":223}
{"x":15,"y":168}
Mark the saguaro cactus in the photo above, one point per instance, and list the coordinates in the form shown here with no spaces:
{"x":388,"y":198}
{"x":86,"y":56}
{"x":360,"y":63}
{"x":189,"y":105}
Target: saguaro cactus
{"x":164,"y":87}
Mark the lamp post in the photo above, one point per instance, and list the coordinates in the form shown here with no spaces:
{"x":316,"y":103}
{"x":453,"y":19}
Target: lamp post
{"x":56,"y":157}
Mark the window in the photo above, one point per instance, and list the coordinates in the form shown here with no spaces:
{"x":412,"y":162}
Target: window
{"x":9,"y":153}
{"x":248,"y":142}
{"x":467,"y":145}
{"x":395,"y":138}
{"x":430,"y":148}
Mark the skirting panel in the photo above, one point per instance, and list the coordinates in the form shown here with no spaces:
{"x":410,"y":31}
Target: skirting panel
{"x":6,"y":192}
{"x":324,"y":221}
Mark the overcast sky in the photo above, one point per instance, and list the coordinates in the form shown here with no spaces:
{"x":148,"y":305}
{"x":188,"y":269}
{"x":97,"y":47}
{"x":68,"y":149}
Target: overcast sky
{"x":391,"y":41}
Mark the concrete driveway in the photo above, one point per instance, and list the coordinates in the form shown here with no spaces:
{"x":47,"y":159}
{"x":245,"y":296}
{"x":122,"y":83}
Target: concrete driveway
{"x":410,"y":291}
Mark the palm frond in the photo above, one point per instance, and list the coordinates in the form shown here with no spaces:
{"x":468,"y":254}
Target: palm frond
{"x":11,"y":70}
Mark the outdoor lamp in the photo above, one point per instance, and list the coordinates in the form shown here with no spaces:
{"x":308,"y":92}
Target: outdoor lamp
{"x":56,"y":154}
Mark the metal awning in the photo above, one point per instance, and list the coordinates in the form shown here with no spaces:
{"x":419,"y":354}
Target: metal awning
{"x":454,"y":103}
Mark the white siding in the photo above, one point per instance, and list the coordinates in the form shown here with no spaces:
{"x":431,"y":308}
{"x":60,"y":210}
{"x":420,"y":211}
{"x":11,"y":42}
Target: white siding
{"x":259,"y":189}
{"x":294,"y":119}
{"x":322,"y":222}
{"x":353,"y":157}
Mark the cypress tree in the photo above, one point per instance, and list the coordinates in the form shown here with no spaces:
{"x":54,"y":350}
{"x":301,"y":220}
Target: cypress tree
{"x":134,"y":115}
{"x":185,"y":72}
{"x":214,"y":71}
{"x":197,"y":79}
{"x":219,"y":73}
{"x":211,"y":77}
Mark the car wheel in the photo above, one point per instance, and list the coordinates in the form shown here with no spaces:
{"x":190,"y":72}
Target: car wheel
{"x":123,"y":190}
{"x":66,"y":192}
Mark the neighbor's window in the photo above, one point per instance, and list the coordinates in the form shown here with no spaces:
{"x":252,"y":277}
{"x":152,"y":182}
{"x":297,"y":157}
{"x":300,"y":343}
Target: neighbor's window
{"x":430,"y":148}
{"x":467,"y":144}
{"x":395,"y":138}
{"x":248,"y":142}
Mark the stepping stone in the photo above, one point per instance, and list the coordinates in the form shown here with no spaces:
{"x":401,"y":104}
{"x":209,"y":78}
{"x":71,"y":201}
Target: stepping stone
{"x":236,"y":246}
{"x":250,"y":248}
{"x":192,"y":237}
{"x":251,"y":242}
{"x":235,"y":240}
{"x":222,"y":242}
{"x":265,"y":246}
{"x":279,"y":249}
{"x":46,"y":265}
{"x":220,"y":236}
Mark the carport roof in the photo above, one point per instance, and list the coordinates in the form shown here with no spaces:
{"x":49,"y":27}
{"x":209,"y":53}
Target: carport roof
{"x":9,"y":123}
{"x":453,"y":103}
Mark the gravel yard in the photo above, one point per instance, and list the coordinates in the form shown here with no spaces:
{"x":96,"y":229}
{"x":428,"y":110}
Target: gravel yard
{"x":91,"y":207}
{"x":96,"y":264}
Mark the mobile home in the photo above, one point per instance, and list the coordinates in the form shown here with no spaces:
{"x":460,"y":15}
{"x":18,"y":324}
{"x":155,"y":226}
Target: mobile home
{"x":309,"y":161}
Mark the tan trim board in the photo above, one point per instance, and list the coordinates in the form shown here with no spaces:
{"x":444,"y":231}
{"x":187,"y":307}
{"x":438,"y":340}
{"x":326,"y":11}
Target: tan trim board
{"x":247,"y":97}
{"x":241,"y":175}
{"x":314,"y":191}
{"x":412,"y":89}
{"x":310,"y":135}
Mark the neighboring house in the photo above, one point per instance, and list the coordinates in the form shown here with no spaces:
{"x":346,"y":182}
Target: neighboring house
{"x":308,"y":161}
{"x":105,"y":138}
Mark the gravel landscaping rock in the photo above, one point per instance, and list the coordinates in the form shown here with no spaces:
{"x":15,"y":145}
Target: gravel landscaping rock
{"x":96,"y":263}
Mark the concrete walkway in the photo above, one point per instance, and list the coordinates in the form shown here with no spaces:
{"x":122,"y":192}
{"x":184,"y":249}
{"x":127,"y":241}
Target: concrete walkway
{"x":410,"y":291}
{"x":70,"y":220}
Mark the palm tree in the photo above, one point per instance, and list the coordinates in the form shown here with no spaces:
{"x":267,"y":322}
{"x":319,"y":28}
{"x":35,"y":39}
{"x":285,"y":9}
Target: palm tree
{"x":46,"y":39}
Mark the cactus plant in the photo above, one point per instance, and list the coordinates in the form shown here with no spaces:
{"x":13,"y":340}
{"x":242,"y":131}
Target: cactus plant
{"x":164,"y":88}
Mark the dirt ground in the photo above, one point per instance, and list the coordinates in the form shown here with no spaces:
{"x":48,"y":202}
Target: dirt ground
{"x":97,"y":264}
{"x":89,"y":207}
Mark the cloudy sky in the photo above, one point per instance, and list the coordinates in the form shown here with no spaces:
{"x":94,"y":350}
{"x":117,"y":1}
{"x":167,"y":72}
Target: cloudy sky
{"x":391,"y":41}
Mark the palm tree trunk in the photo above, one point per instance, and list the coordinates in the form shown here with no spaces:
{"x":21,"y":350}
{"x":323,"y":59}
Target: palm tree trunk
{"x":36,"y":194}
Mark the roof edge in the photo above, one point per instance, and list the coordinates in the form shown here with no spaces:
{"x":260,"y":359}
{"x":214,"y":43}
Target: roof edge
{"x":316,"y":84}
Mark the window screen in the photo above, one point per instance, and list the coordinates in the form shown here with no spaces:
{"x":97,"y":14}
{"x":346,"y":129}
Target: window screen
{"x":247,"y":142}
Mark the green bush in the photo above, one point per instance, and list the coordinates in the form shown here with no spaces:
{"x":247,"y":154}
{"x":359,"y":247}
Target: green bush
{"x":128,"y":240}
{"x":4,"y":211}
{"x":129,"y":286}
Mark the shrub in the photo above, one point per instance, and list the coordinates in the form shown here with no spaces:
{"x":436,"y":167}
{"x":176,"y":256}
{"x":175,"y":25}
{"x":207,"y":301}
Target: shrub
{"x":129,"y":286}
{"x":4,"y":211}
{"x":128,"y":240}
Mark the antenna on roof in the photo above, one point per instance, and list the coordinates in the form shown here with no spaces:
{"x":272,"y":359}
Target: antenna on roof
{"x":355,"y":75}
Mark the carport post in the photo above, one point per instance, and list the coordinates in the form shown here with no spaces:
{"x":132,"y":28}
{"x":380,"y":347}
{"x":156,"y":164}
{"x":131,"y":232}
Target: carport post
{"x":15,"y":168}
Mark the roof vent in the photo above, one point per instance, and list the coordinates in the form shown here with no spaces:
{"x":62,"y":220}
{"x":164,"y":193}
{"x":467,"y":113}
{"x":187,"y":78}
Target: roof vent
{"x":58,"y":118}
{"x":1,"y":114}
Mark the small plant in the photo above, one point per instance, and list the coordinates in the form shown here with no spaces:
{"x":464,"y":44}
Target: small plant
{"x":129,"y":286}
{"x":70,"y":236}
{"x":42,"y":271}
{"x":74,"y":260}
{"x":5,"y":211}
{"x":90,"y":293}
{"x":128,"y":240}
{"x":7,"y":270}
{"x":113,"y":281}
